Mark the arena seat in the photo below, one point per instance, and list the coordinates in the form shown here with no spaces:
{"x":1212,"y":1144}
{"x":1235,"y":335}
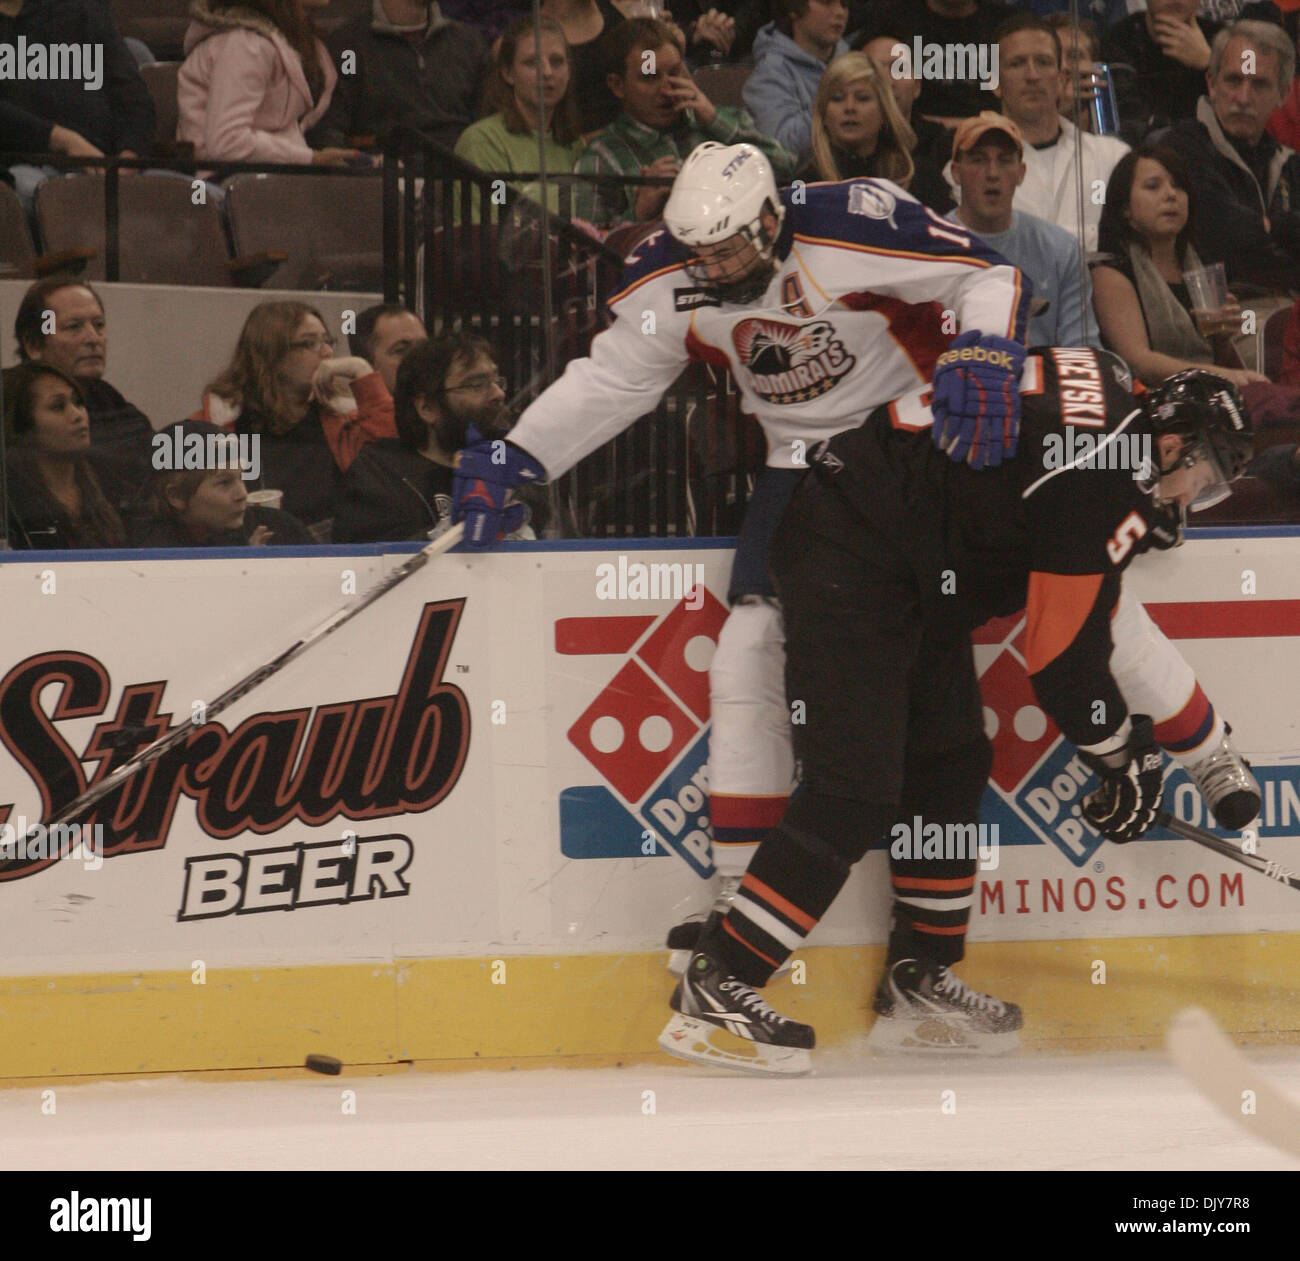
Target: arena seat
{"x":163,"y":237}
{"x":160,"y":78}
{"x":330,"y":228}
{"x":724,"y":84}
{"x":161,"y":23}
{"x":18,"y":257}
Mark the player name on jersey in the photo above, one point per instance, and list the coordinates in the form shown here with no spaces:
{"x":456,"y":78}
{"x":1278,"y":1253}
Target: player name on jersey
{"x":1083,"y":401}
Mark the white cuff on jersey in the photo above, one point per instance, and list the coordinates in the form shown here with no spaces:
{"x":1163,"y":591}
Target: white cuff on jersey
{"x":1112,"y":744}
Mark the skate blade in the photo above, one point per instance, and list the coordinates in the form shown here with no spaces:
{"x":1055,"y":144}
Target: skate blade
{"x":678,"y":959}
{"x":704,"y":1043}
{"x":891,"y":1035}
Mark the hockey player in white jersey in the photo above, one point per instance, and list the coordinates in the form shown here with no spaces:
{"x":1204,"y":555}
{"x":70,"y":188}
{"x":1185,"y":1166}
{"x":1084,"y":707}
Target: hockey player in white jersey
{"x":824,"y":302}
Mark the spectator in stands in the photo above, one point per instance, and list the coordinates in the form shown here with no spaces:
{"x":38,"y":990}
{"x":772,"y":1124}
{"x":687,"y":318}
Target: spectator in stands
{"x":585,"y":23}
{"x":988,"y":164}
{"x":383,"y":336}
{"x":508,"y":140}
{"x":411,"y":66}
{"x":311,"y":413}
{"x":1080,"y":53}
{"x":1246,"y":184}
{"x":710,"y":30}
{"x":1029,"y":65}
{"x":933,"y":140}
{"x":208,"y":507}
{"x":1143,"y":306}
{"x":55,"y":497}
{"x":1169,"y":47}
{"x":664,"y":116}
{"x":254,"y":81}
{"x":489,"y":17}
{"x":943,"y":25}
{"x":1279,"y":465}
{"x":400,"y":488}
{"x":61,"y":322}
{"x":858,"y":129}
{"x":791,"y":55}
{"x":108,"y":110}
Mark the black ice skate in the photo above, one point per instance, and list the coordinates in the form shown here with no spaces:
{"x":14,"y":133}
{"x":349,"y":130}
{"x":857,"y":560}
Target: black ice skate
{"x":922,"y":1006}
{"x":720,"y":1020}
{"x":1230,"y":789}
{"x":684,"y":937}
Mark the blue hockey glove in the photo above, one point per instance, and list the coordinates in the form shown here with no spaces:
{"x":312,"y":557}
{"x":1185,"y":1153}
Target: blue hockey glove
{"x":976,"y":402}
{"x":486,"y":472}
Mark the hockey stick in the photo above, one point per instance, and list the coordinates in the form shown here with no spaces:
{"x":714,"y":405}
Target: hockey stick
{"x":237,"y":691}
{"x":1229,"y":849}
{"x":1223,"y":1075}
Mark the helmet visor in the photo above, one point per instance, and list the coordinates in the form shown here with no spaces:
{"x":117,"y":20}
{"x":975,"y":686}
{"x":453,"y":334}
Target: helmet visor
{"x":1219,"y":485}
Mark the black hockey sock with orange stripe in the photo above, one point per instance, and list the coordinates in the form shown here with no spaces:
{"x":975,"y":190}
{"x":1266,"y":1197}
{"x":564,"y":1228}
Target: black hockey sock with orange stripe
{"x":932,"y":901}
{"x":933,"y":895}
{"x":794,"y":877}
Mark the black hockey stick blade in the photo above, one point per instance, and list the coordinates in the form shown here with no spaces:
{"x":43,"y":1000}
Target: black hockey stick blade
{"x":1230,"y":849}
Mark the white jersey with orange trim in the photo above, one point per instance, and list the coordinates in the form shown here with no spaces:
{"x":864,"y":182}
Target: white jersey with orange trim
{"x":853,"y":317}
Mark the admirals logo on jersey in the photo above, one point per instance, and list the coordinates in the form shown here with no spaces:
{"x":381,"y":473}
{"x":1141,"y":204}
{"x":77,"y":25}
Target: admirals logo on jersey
{"x":791,"y":363}
{"x":645,"y":733}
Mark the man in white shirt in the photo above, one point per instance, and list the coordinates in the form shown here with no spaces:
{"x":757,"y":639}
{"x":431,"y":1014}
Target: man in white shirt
{"x":1029,"y":69}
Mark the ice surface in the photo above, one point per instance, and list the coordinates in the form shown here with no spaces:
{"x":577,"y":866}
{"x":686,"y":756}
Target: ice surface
{"x":1066,"y":1112}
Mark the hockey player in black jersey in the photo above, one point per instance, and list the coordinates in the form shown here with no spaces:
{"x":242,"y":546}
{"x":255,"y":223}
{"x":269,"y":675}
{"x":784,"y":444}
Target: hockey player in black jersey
{"x":887,"y":558}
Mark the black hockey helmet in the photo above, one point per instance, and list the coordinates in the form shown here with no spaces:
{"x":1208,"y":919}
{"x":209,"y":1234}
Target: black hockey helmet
{"x":1208,"y":412}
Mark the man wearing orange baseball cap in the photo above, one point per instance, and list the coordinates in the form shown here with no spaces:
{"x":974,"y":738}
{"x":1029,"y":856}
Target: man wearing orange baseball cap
{"x":988,"y":165}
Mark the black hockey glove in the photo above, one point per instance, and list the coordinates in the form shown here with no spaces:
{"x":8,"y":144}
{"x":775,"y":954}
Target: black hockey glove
{"x":1125,"y":804}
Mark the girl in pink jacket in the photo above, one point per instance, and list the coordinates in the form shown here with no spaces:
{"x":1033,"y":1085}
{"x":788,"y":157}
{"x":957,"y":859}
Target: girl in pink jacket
{"x":255,"y":78}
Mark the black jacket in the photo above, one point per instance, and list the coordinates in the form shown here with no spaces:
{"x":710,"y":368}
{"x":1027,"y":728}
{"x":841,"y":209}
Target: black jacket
{"x":1163,"y":91}
{"x":391,"y":493}
{"x":286,"y":530}
{"x":38,"y":520}
{"x":298,"y":462}
{"x":119,"y":115}
{"x":432,"y":83}
{"x":1230,"y":204}
{"x":121,"y":438}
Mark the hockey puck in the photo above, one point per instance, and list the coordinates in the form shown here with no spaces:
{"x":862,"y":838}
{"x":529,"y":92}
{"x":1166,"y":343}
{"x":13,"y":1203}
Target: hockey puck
{"x":324,"y":1064}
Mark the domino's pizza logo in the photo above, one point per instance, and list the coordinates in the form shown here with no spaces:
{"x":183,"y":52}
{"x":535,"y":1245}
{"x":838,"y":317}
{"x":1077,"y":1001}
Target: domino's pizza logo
{"x":645,"y":734}
{"x":1037,"y":781}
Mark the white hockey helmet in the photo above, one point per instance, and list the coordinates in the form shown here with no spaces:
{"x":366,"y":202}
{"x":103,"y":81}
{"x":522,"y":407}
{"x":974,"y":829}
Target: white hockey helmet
{"x":720,"y":195}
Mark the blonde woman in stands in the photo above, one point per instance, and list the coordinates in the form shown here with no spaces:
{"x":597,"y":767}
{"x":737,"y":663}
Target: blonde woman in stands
{"x":254,"y":80}
{"x":858,"y":129}
{"x":508,"y":139}
{"x":311,"y":413}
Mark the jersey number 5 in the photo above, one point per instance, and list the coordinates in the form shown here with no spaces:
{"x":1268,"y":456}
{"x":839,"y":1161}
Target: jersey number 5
{"x":1121,"y":542}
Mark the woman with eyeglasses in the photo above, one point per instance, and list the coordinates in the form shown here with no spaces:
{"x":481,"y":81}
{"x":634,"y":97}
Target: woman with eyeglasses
{"x":311,"y":412}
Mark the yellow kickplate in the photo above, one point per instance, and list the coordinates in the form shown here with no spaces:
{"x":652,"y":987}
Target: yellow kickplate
{"x":609,"y":1008}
